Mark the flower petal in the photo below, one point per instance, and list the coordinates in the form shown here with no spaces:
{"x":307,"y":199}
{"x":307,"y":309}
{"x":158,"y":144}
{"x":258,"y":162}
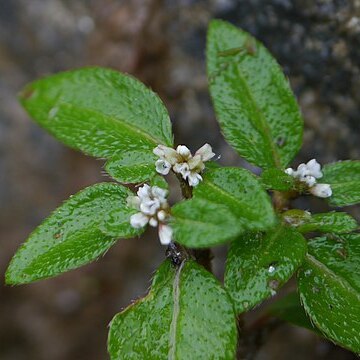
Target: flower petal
{"x":194,"y":178}
{"x":138,"y":220}
{"x":165,"y":234}
{"x":162,"y":166}
{"x":183,"y":151}
{"x":205,"y":152}
{"x":321,"y":190}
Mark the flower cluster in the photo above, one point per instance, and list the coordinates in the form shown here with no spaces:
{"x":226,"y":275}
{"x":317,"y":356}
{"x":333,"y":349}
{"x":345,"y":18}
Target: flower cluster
{"x":182,"y":162}
{"x":309,"y":173}
{"x":153,"y":210}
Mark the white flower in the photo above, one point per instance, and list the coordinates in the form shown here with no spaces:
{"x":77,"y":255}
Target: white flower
{"x":165,"y":234}
{"x":321,"y":190}
{"x":182,"y":162}
{"x":153,"y":210}
{"x":138,"y":220}
{"x":309,"y":173}
{"x":163,"y":167}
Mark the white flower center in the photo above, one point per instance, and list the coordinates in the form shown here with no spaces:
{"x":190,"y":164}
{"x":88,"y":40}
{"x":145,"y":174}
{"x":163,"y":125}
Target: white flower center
{"x":182,"y":162}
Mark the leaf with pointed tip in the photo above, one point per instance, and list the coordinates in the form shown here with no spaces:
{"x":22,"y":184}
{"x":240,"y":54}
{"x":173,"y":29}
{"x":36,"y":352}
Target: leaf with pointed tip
{"x":174,"y":319}
{"x":331,"y":222}
{"x":258,"y":264}
{"x":329,"y":286}
{"x":98,"y":111}
{"x":289,"y":309}
{"x":132,"y":167}
{"x":255,"y":106}
{"x":276,"y":179}
{"x":202,"y":223}
{"x":344,"y":179}
{"x":242,"y":193}
{"x":74,"y":235}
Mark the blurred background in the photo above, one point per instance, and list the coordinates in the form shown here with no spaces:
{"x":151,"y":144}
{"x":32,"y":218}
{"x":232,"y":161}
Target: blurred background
{"x":162,"y":42}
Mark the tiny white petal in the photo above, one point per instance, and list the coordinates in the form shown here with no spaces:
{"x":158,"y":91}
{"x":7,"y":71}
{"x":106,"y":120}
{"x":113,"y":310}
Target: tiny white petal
{"x":153,"y":222}
{"x":194,"y":179}
{"x":321,"y":190}
{"x":167,"y":153}
{"x":161,"y":215}
{"x":289,"y":171}
{"x":196,"y":163}
{"x":314,"y":168}
{"x":138,"y":220}
{"x":302,"y":171}
{"x":165,"y":234}
{"x":183,"y":151}
{"x":205,"y":152}
{"x":144,"y":191}
{"x":309,"y":180}
{"x":162,"y":166}
{"x":150,"y":206}
{"x":183,"y":169}
{"x":160,"y":193}
{"x":133,"y":202}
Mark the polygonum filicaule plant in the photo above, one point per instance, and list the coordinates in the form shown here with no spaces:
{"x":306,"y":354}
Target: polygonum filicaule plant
{"x":188,"y":314}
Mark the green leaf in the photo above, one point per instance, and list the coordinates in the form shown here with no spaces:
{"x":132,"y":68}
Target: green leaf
{"x":255,"y":106}
{"x":344,"y":178}
{"x":202,"y":223}
{"x":132,"y":167}
{"x":276,"y":179}
{"x":186,"y":315}
{"x":98,"y":111}
{"x":332,"y":222}
{"x":242,"y":193}
{"x":329,"y":285}
{"x":289,"y":309}
{"x":258,"y":264}
{"x":74,"y":235}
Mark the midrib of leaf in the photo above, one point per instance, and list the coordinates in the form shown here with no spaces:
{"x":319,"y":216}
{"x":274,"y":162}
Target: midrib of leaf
{"x":311,"y":259}
{"x":175,"y":313}
{"x":117,"y":120}
{"x":229,"y":196}
{"x":262,"y":122}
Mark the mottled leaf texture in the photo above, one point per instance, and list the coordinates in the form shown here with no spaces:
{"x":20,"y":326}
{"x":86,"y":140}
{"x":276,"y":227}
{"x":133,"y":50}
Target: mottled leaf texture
{"x":329,"y":285}
{"x":258,"y":264}
{"x":132,"y":167}
{"x":255,"y":106}
{"x":186,"y":315}
{"x":202,"y":223}
{"x":289,"y":309}
{"x":276,"y":179}
{"x":332,"y":222}
{"x":74,"y":234}
{"x":98,"y":111}
{"x":242,"y":193}
{"x":344,"y":178}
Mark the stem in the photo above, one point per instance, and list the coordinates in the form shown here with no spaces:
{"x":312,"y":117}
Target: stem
{"x":281,"y":201}
{"x":202,"y":256}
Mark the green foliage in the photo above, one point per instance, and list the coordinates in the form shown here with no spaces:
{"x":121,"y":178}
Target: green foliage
{"x":344,"y":178}
{"x":242,"y":193}
{"x":202,"y":223}
{"x":329,"y":285}
{"x":258,"y":264}
{"x":255,"y":106}
{"x":332,"y":222}
{"x":73,"y":235}
{"x":186,"y":315}
{"x":98,"y":111}
{"x":132,"y":167}
{"x":276,"y":179}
